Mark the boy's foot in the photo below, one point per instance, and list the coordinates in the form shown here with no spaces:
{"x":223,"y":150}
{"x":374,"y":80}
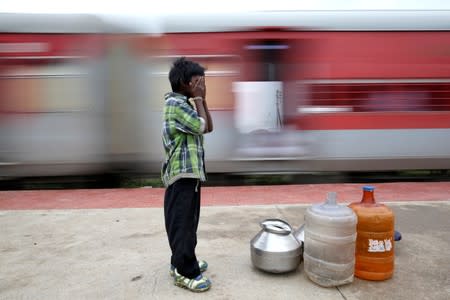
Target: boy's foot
{"x":203,"y":265}
{"x":198,"y":284}
{"x":397,"y":236}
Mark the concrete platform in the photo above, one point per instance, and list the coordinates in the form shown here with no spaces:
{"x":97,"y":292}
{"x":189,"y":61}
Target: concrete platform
{"x":68,"y":252}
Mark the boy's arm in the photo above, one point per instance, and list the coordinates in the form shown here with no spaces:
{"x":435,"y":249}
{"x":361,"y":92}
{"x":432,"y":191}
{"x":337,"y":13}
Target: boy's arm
{"x":199,"y":91}
{"x":209,"y":122}
{"x":185,"y":118}
{"x":201,"y":107}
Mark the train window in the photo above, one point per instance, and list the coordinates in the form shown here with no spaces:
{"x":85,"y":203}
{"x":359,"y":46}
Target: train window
{"x":47,"y":88}
{"x":221,"y":71}
{"x":266,"y":59}
{"x":389,"y":95}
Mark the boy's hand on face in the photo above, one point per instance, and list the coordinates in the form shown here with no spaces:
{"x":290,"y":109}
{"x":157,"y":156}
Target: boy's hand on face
{"x":198,"y":87}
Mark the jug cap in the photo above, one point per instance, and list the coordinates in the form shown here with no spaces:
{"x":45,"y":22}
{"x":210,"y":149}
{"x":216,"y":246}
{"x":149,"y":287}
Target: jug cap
{"x":368,"y":188}
{"x":331,"y":208}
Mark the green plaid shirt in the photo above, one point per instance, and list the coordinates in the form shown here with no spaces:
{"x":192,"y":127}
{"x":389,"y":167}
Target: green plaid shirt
{"x":182,"y":140}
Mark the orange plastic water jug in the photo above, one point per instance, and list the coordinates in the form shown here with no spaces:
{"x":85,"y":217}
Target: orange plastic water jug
{"x":374,"y":253}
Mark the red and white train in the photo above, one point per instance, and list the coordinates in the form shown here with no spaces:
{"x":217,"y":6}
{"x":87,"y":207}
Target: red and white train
{"x":289,"y":91}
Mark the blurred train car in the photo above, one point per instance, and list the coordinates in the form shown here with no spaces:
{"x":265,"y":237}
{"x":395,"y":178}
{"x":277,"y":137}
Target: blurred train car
{"x":321,"y":91}
{"x":288,"y":91}
{"x":70,"y":101}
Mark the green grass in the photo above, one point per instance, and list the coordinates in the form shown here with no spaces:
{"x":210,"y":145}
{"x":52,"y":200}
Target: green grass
{"x":141,"y":182}
{"x":267,"y":179}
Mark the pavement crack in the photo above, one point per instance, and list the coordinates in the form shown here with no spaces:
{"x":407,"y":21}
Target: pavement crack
{"x":155,"y":284}
{"x":280,"y":211}
{"x":156,"y":279}
{"x":343,"y":297}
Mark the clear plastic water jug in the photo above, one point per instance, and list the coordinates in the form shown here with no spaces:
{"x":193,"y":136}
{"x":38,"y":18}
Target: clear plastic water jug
{"x":329,"y":247}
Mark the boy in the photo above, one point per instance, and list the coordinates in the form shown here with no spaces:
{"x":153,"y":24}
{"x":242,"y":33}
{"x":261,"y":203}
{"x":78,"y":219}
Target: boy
{"x":186,"y":119}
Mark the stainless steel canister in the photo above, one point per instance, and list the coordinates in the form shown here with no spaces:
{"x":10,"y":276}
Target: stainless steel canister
{"x":275,"y":249}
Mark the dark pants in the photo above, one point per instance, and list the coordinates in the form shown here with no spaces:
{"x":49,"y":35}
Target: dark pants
{"x":181,"y":213}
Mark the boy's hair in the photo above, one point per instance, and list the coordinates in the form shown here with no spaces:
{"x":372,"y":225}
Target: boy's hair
{"x":182,"y":71}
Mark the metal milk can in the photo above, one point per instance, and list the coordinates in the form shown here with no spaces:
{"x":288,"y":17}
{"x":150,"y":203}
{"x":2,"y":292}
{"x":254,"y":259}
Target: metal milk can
{"x":275,"y":249}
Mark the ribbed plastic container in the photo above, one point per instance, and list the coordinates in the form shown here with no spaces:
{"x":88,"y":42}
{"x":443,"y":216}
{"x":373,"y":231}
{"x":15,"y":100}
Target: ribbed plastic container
{"x":329,"y":247}
{"x":375,"y":242}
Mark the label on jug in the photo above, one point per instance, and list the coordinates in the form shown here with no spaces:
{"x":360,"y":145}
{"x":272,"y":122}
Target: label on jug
{"x":380,"y":245}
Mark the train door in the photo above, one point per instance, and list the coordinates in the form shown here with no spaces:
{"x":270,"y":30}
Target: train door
{"x":261,"y":108}
{"x":260,"y":92}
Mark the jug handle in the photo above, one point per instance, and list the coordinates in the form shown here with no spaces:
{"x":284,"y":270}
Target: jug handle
{"x":276,"y":226}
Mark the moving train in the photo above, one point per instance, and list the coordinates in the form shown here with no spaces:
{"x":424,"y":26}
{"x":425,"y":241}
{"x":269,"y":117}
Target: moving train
{"x":298,"y":92}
